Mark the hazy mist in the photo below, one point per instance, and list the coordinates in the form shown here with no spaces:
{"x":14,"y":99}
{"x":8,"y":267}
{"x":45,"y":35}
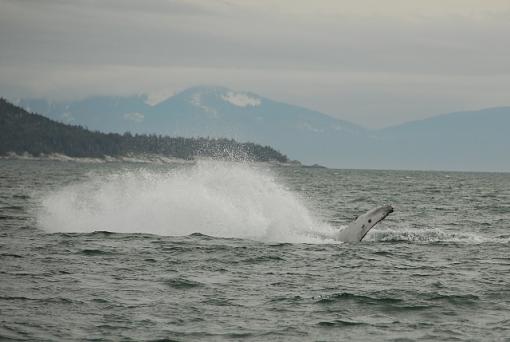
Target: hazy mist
{"x":372,"y":63}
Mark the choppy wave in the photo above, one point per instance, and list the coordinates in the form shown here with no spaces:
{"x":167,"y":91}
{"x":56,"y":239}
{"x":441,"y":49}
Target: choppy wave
{"x":420,"y":274}
{"x":220,"y":199}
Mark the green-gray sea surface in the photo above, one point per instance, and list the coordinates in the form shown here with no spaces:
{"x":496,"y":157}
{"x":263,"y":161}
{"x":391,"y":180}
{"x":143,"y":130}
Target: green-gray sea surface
{"x":230,"y":251}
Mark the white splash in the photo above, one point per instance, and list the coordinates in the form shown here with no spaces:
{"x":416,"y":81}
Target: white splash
{"x":220,"y":199}
{"x":241,"y":100}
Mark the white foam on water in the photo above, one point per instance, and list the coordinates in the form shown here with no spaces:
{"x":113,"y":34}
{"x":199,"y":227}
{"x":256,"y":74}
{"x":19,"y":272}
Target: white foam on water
{"x":222,"y":199}
{"x":430,"y":235}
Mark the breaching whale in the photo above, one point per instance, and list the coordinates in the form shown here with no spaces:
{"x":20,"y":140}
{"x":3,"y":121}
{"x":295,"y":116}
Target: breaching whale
{"x":357,"y":230}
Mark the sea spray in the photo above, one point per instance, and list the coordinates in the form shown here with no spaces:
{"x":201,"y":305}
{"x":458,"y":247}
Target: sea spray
{"x":417,"y":275}
{"x":223,"y":199}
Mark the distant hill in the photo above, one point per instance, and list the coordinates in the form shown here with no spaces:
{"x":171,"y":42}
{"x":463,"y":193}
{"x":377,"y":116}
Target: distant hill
{"x":303,"y":134}
{"x":471,"y":140}
{"x":22,"y":132}
{"x":474,"y":140}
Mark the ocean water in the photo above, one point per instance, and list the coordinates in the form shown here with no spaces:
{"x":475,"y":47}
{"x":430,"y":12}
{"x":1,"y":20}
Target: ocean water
{"x":217,"y":251}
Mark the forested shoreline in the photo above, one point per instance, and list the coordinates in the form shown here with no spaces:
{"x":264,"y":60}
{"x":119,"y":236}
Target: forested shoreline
{"x":22,"y":132}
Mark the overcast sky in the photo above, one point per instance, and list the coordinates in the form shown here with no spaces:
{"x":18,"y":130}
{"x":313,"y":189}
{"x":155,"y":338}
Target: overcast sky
{"x":372,"y":62}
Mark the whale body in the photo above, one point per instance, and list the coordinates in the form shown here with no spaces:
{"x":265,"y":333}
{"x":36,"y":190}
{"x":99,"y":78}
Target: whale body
{"x":357,"y":230}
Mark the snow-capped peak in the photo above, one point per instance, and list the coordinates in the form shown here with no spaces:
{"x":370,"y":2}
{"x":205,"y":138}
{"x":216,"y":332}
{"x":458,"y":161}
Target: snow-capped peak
{"x":134,"y":116}
{"x":196,"y":100}
{"x":241,"y":100}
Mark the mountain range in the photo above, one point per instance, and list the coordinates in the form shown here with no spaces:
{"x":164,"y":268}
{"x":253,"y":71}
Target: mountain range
{"x":474,"y":140}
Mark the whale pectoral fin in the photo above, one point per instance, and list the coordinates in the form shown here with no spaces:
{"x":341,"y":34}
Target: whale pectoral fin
{"x":351,"y":233}
{"x":359,"y":228}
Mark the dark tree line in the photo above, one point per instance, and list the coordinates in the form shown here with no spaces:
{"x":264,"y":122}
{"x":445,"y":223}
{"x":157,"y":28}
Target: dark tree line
{"x":22,"y":132}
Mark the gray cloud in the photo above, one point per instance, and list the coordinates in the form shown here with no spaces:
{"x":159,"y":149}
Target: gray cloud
{"x":369,"y":68}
